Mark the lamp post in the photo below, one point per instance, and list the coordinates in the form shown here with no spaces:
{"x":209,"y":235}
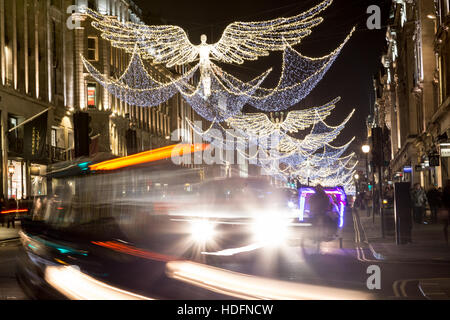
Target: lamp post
{"x":11,"y":170}
{"x":356,"y":177}
{"x":366,"y":149}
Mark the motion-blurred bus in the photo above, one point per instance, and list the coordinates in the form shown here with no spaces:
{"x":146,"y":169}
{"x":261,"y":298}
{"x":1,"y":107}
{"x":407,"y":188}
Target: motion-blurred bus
{"x":119,"y":221}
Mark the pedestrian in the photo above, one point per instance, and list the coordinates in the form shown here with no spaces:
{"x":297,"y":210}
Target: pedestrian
{"x":2,"y":207}
{"x":446,"y":203}
{"x":434,"y":200}
{"x":319,"y":204}
{"x":376,"y":201}
{"x":362,"y":200}
{"x":419,"y":202}
{"x":369,"y":203}
{"x":12,"y":205}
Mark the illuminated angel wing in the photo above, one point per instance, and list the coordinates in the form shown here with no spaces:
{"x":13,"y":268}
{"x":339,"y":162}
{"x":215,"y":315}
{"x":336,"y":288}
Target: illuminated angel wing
{"x":253,"y":124}
{"x":248,"y":40}
{"x":259,"y":123}
{"x":164,"y":44}
{"x":302,"y":119}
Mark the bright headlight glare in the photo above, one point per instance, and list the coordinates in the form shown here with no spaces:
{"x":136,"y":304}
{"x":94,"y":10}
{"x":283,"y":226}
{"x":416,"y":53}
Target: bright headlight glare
{"x":202,"y":230}
{"x":270,"y":230}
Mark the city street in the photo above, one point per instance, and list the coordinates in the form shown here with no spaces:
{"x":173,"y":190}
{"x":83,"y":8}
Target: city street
{"x":205,"y":150}
{"x":333,"y":268}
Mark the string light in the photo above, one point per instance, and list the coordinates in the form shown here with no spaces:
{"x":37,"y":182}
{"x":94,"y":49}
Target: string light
{"x":259,"y":124}
{"x":220,"y":101}
{"x":240,"y":40}
{"x":136,"y":86}
{"x":218,"y":96}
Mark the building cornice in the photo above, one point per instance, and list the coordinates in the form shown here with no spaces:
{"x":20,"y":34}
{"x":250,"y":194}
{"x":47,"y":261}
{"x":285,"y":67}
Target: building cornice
{"x":442,"y":110}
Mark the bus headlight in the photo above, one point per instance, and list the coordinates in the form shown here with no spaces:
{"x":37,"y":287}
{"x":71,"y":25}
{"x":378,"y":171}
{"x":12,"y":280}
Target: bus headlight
{"x":270,"y":230}
{"x":202,"y":230}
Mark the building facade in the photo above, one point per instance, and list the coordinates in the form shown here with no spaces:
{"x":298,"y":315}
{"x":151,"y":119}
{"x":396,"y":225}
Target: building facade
{"x":411,"y":92}
{"x":42,"y":74}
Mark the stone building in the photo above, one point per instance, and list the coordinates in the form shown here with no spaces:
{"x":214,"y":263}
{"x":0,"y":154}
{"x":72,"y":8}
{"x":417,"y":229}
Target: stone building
{"x":42,"y":75}
{"x":411,"y":101}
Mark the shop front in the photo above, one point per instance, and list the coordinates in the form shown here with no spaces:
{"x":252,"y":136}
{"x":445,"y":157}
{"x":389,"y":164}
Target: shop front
{"x":17,"y":184}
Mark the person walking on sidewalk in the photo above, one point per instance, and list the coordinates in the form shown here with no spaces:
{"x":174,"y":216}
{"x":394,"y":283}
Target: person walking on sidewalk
{"x":434,"y":200}
{"x":419,"y":202}
{"x":446,"y":203}
{"x":2,"y":207}
{"x":368,"y":203}
{"x":12,"y":205}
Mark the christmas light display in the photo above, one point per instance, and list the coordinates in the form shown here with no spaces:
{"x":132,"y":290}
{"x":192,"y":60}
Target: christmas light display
{"x":219,"y":97}
{"x":259,"y":124}
{"x":240,"y":41}
{"x":218,"y":101}
{"x":136,"y":86}
{"x":299,"y":75}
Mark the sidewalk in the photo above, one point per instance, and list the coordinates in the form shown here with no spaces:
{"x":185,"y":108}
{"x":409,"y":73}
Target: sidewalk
{"x":428,"y":242}
{"x":9,"y":233}
{"x":435,"y":289}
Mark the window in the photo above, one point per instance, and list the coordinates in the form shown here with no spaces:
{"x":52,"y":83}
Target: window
{"x":54,"y":144}
{"x":92,"y":4}
{"x":12,"y":122}
{"x":92,"y":48}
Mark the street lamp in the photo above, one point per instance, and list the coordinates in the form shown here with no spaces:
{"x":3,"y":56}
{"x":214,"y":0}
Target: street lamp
{"x":11,"y":170}
{"x":366,"y":149}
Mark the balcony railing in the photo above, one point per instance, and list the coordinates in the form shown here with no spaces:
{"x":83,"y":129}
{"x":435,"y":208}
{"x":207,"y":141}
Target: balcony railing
{"x":59,"y":154}
{"x":55,"y":154}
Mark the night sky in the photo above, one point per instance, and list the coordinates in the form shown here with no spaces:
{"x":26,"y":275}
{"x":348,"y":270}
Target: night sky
{"x":351,"y":75}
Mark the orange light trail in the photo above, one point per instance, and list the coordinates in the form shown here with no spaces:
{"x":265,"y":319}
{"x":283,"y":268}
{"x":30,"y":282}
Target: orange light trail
{"x":14,"y":210}
{"x":149,"y":156}
{"x":123,"y":248}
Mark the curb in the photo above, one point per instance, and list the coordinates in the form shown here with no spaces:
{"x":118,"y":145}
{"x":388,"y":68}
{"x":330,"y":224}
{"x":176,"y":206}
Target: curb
{"x":9,"y":239}
{"x":431,"y":289}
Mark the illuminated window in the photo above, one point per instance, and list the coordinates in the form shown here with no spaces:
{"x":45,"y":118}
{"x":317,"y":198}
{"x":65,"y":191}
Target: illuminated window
{"x":91,"y":95}
{"x":53,"y":137}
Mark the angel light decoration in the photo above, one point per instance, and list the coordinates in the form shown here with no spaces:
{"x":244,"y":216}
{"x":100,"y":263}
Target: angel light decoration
{"x":240,"y":41}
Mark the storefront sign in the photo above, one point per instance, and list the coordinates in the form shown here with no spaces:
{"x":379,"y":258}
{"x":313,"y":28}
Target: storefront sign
{"x":407,"y":169}
{"x":35,"y":138}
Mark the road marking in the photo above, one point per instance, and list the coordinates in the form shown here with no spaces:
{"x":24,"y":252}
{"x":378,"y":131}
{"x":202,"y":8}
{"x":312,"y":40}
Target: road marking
{"x":380,"y":257}
{"x":359,"y":250}
{"x":404,"y":282}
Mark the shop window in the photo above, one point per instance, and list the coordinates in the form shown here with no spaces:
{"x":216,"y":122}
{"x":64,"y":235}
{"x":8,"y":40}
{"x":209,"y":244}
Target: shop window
{"x":16,"y":179}
{"x":38,"y":180}
{"x":92,"y":95}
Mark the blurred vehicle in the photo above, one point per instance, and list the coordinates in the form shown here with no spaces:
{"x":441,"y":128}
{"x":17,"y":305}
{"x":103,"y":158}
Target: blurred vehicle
{"x":110,"y":227}
{"x":338,"y":203}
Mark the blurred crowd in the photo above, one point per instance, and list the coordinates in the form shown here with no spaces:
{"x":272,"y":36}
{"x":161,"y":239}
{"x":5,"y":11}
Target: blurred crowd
{"x":436,"y":201}
{"x":8,"y":210}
